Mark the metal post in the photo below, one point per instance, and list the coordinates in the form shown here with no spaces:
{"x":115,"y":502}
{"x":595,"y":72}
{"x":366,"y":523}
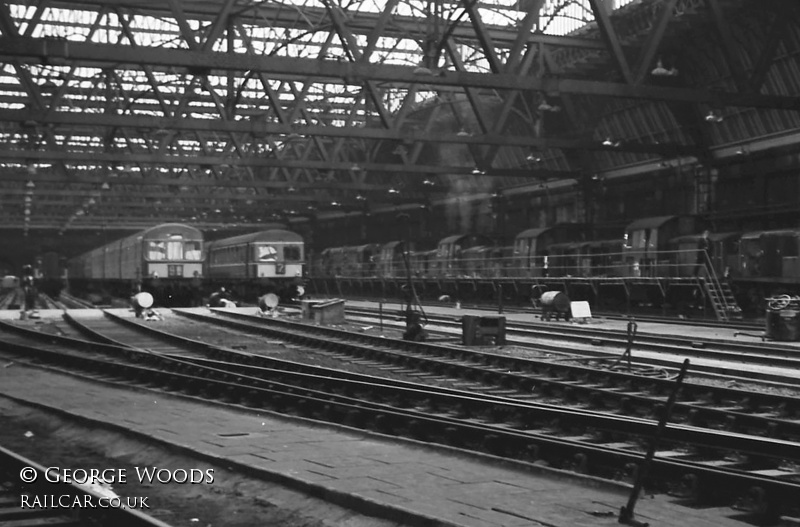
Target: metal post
{"x":380,"y":314}
{"x":632,"y":327}
{"x":626,"y":514}
{"x":500,"y":299}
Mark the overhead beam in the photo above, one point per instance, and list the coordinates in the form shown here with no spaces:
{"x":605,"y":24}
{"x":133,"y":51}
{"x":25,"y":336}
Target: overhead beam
{"x":263,"y":129}
{"x":179,"y":160}
{"x":112,"y":55}
{"x":276,"y":15}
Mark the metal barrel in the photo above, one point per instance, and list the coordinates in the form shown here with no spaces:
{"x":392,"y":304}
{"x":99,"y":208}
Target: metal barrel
{"x":556,"y":300}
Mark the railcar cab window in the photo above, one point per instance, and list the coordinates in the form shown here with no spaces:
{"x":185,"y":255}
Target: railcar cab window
{"x":291,"y":253}
{"x":156,"y":250}
{"x":266,"y":253}
{"x":191,"y":251}
{"x":175,"y":247}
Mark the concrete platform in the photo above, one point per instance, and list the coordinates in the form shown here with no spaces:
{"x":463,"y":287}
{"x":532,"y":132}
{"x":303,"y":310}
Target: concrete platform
{"x":395,"y":479}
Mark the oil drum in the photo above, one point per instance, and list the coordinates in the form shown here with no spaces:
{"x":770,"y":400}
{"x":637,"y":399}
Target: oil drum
{"x":142,"y":300}
{"x":555,"y":300}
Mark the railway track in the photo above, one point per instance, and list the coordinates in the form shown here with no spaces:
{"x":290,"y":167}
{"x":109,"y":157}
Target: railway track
{"x":12,"y":300}
{"x":660,"y":350}
{"x":491,"y":309}
{"x":575,"y":439}
{"x":38,"y":502}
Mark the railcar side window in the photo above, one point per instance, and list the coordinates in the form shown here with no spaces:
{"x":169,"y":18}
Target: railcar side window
{"x":156,"y":251}
{"x":291,"y":253}
{"x":266,"y":253}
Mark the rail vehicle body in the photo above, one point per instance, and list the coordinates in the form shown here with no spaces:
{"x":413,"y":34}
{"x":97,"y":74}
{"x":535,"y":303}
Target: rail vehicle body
{"x":621,"y":266}
{"x":533,"y":247}
{"x":722,"y":254}
{"x":425,"y":264}
{"x":49,"y":271}
{"x":770,"y":254}
{"x":161,"y":259}
{"x":647,"y":244}
{"x":9,"y":283}
{"x":453,"y":255}
{"x":269,"y":261}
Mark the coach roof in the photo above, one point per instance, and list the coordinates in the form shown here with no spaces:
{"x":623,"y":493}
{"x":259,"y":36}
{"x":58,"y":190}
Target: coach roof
{"x":268,"y":236}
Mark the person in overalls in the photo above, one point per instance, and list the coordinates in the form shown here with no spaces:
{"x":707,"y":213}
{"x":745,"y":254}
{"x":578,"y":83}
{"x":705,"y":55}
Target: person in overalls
{"x":29,"y":288}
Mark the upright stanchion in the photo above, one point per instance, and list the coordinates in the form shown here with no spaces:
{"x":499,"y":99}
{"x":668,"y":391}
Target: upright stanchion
{"x":500,"y":299}
{"x":626,"y":513}
{"x":380,"y":314}
{"x":632,"y":328}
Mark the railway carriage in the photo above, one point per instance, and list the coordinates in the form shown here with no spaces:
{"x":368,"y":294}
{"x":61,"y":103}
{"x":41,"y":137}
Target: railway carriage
{"x":758,"y":264}
{"x":362,"y":260}
{"x":391,"y":259}
{"x":162,"y":259}
{"x":270,"y":261}
{"x":532,"y":248}
{"x":9,"y":283}
{"x":723,"y":254}
{"x":450,"y":253}
{"x":424,"y":264}
{"x":49,"y":273}
{"x":647,"y":242}
{"x":770,"y":254}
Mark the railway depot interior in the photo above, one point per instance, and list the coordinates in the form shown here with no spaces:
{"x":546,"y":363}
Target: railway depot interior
{"x":459,"y":175}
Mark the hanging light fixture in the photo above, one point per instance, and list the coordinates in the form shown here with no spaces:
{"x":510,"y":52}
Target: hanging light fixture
{"x":661,"y":71}
{"x":714,"y":117}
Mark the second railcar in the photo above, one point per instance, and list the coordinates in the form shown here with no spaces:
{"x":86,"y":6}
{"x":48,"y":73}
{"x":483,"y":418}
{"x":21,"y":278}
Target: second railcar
{"x":270,"y":261}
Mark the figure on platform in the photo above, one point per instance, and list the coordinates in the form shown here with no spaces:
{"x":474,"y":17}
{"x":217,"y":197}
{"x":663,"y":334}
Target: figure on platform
{"x":220,"y":298}
{"x":703,"y":253}
{"x":29,"y":288}
{"x":197,"y":289}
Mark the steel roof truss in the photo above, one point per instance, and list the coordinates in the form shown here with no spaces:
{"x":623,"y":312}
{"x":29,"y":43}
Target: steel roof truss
{"x":609,"y":36}
{"x":728,"y":46}
{"x":180,"y":17}
{"x":37,"y":48}
{"x":148,"y":70}
{"x":484,"y":38}
{"x":776,"y":33}
{"x":648,"y":51}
